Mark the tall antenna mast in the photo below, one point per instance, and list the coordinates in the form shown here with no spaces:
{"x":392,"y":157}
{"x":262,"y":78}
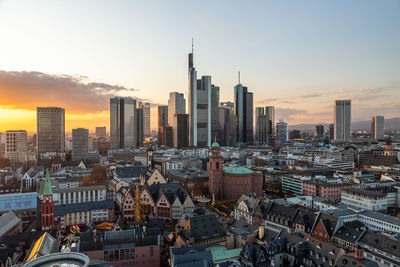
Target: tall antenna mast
{"x":192,"y":45}
{"x":239,"y":77}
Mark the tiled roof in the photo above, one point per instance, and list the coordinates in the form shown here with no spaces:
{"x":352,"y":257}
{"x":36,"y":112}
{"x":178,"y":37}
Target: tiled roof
{"x":61,"y":210}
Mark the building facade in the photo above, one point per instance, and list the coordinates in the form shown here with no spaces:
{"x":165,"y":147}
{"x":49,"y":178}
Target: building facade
{"x":80,"y":143}
{"x":378,"y":127}
{"x":50,"y":130}
{"x":244,"y":114}
{"x":342,"y":119}
{"x":123,"y":122}
{"x":16,"y":144}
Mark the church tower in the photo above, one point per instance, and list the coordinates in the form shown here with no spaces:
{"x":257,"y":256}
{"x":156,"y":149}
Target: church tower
{"x":215,"y":173}
{"x":47,"y":205}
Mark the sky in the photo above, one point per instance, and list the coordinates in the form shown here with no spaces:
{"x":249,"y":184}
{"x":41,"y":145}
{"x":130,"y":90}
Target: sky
{"x":298,"y":56}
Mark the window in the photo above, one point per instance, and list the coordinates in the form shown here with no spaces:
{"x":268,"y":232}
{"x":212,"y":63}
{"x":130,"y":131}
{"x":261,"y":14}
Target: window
{"x":151,"y":251}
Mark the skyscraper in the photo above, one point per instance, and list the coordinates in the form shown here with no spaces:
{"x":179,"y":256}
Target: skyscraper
{"x":199,"y":107}
{"x":101,"y":131}
{"x":162,"y":116}
{"x":176,"y":105}
{"x":146,"y":119}
{"x":123,"y":122}
{"x":50,"y":130}
{"x":181,"y":130}
{"x":80,"y":143}
{"x":228,"y":123}
{"x":331,"y":131}
{"x":270,"y":113}
{"x":342,"y":119}
{"x":244,"y":114}
{"x":281,"y":131}
{"x":261,"y":126}
{"x":319,"y":131}
{"x":140,"y":125}
{"x":378,"y":127}
{"x":215,"y":126}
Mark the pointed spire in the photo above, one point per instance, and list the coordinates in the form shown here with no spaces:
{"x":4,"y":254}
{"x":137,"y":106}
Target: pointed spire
{"x":47,"y":185}
{"x":192,"y":45}
{"x":239,"y":77}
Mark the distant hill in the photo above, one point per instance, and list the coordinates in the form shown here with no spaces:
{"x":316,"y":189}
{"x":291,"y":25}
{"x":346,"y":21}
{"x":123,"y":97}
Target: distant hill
{"x":390,"y":124}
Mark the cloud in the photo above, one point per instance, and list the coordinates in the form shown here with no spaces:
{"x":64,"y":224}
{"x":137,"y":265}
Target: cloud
{"x":28,"y":90}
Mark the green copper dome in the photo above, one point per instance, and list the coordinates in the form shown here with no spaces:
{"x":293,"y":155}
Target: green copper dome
{"x":215,"y":144}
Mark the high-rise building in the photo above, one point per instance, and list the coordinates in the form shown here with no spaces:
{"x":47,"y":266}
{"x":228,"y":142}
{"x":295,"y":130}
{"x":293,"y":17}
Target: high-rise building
{"x":176,"y":105}
{"x":261,"y":126}
{"x":165,"y":136}
{"x":319,"y":131}
{"x":16,"y":143}
{"x":227,"y":121}
{"x":80,"y":143}
{"x":270,"y":113}
{"x":215,"y":126}
{"x":342,"y":119}
{"x":50,"y":130}
{"x":123,"y":122}
{"x":181,"y":130}
{"x":101,"y":131}
{"x":378,"y":127}
{"x":282,"y":131}
{"x":140,"y":125}
{"x":331,"y":131}
{"x":244,"y":114}
{"x":162,"y":116}
{"x":199,"y":107}
{"x":294,"y":134}
{"x":146,"y":119}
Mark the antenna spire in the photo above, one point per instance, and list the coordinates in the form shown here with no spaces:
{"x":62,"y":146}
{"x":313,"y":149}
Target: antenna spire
{"x":239,"y":77}
{"x":192,"y":45}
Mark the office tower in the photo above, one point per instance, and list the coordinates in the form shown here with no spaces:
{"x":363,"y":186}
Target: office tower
{"x":261,"y":126}
{"x":80,"y":143}
{"x":176,"y":105}
{"x":319,"y":131}
{"x":281,"y":131}
{"x":146,"y":119}
{"x":162,"y":116}
{"x":227,"y":120}
{"x":342,"y":119}
{"x":294,"y":134}
{"x":181,"y":130}
{"x":378,"y":127}
{"x":244,"y":114}
{"x":15,"y":144}
{"x":331,"y":131}
{"x":199,"y":107}
{"x":215,"y":126}
{"x":270,"y":113}
{"x":101,"y":131}
{"x":50,"y":130}
{"x":140,"y":125}
{"x":165,"y":136}
{"x":123,"y":122}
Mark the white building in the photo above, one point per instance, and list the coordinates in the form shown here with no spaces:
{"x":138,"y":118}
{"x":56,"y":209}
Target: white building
{"x":367,"y":199}
{"x":15,"y":144}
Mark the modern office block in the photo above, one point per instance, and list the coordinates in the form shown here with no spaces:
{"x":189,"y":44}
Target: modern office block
{"x":123,"y":122}
{"x":181,"y":130}
{"x":80,"y":143}
{"x":101,"y":131}
{"x":319,"y":131}
{"x":270,"y":113}
{"x":162,"y":116}
{"x":244,"y":114}
{"x":342,"y":118}
{"x":282,"y":131}
{"x":176,"y":105}
{"x":50,"y":130}
{"x":16,"y":143}
{"x":378,"y":127}
{"x":146,"y":119}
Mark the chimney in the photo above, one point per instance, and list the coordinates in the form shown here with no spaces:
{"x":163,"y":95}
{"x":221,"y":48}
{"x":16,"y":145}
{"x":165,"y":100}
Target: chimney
{"x":260,"y":232}
{"x":359,"y":252}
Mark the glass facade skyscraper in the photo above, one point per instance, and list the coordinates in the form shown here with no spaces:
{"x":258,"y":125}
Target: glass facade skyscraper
{"x":50,"y":130}
{"x":123,"y":122}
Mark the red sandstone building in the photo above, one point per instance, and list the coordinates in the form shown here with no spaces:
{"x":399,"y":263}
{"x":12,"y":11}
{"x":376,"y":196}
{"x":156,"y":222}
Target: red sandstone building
{"x":324,"y":189}
{"x":231,"y":182}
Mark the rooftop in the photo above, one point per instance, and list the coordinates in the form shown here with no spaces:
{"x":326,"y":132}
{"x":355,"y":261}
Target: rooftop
{"x":237,"y":170}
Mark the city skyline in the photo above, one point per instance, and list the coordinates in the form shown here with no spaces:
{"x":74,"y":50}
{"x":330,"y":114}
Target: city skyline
{"x":295,"y":64}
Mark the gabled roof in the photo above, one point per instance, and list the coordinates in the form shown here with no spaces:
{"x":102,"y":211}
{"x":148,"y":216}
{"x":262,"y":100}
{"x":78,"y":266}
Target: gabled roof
{"x":329,"y":222}
{"x":250,"y":202}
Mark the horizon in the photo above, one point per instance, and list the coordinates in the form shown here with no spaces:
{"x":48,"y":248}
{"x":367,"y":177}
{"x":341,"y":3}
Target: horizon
{"x":298,"y":57}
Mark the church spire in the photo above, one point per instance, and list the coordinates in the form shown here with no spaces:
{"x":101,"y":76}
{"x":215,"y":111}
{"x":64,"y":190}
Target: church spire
{"x":47,"y":185}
